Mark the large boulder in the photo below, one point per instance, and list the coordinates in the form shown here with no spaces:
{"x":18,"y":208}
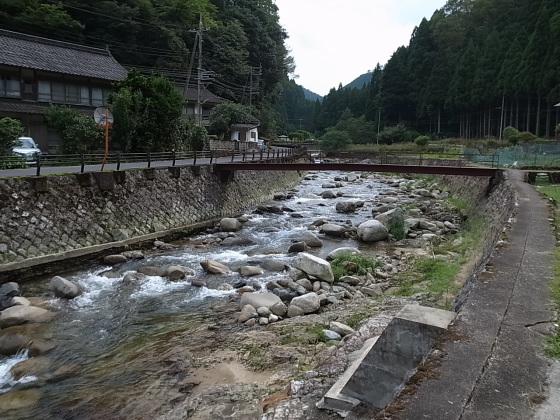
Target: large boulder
{"x":372,"y":231}
{"x":345,"y":207}
{"x":7,"y":292}
{"x":311,"y":240}
{"x":340,"y":328}
{"x":250,"y":270}
{"x":17,"y":315}
{"x":230,"y":224}
{"x":257,"y":300}
{"x":177,"y":272}
{"x":297,"y":247}
{"x":63,"y":288}
{"x":150,"y":270}
{"x":114,"y":259}
{"x":11,"y":343}
{"x":308,"y":303}
{"x":343,"y":250}
{"x":331,"y":229}
{"x":214,"y":267}
{"x":391,"y":217}
{"x":314,"y":266}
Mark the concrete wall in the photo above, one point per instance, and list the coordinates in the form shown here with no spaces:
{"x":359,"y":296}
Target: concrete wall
{"x":55,"y":214}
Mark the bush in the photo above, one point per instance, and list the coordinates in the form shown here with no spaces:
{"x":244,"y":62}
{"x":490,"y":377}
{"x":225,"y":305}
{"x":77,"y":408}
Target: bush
{"x":422,"y":141}
{"x":79,"y":132}
{"x":396,"y":229}
{"x":335,"y":140}
{"x":526,"y":137}
{"x":10,"y":130}
{"x":397,"y":134}
{"x":352,"y":264}
{"x":510,"y":133}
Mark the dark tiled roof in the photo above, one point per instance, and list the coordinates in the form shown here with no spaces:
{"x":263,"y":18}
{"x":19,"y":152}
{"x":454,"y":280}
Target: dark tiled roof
{"x":37,"y":53}
{"x":206,"y":97}
{"x":21,"y":107}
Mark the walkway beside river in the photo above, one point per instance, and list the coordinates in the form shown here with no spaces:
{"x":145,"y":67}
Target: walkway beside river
{"x":493,"y":365}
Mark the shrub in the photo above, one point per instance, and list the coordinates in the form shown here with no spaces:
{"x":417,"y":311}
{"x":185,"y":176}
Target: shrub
{"x":353,"y":264}
{"x":335,"y":140}
{"x":396,"y":229}
{"x":422,"y":141}
{"x":10,"y":130}
{"x":526,"y":137}
{"x":510,"y":132}
{"x":79,"y":132}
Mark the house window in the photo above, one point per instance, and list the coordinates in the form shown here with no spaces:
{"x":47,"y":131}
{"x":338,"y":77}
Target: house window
{"x":44,"y":91}
{"x":84,"y":95}
{"x":253,"y":135}
{"x":9,"y":88}
{"x":58,"y":93}
{"x":72,"y":94}
{"x":97,"y":97}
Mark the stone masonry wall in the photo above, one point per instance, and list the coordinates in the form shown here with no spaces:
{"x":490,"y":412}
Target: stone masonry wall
{"x":48,"y":215}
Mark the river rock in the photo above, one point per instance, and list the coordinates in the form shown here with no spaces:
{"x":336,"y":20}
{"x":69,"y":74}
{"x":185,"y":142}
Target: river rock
{"x":256,"y":300}
{"x":198,"y":283}
{"x":308,"y":303}
{"x":345,"y":207}
{"x":372,"y":290}
{"x":294,"y":311}
{"x":250,"y":270}
{"x":311,"y":240}
{"x":331,"y":229}
{"x":314,"y":266}
{"x":17,"y":315}
{"x":35,"y":366}
{"x":247,"y":312}
{"x":343,"y":250}
{"x":273,"y":318}
{"x":214,"y":267}
{"x":298,"y":247}
{"x":285,"y":294}
{"x":279,"y":309}
{"x":306,"y":284}
{"x":340,"y":328}
{"x":372,"y":231}
{"x":150,"y":270}
{"x":328,"y":194}
{"x":391,"y":217}
{"x":11,"y":343}
{"x":274,"y":265}
{"x":411,"y":223}
{"x":114,"y":259}
{"x":296,"y":274}
{"x":236,"y":241}
{"x":230,"y":224}
{"x":63,"y":288}
{"x":133,"y":255}
{"x":424,"y":224}
{"x":18,"y":300}
{"x":331,"y":335}
{"x":7,"y":292}
{"x":264,"y":311}
{"x":177,"y":272}
{"x":351,"y":280}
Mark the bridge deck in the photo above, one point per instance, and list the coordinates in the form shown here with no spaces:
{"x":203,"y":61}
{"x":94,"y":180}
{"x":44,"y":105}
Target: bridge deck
{"x":359,"y":167}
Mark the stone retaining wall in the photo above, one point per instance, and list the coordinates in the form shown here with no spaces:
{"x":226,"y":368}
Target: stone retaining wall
{"x":496,"y":209}
{"x":40,"y":216}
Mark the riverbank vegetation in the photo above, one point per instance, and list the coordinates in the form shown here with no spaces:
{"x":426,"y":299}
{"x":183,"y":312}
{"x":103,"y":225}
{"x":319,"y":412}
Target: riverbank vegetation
{"x":553,"y":192}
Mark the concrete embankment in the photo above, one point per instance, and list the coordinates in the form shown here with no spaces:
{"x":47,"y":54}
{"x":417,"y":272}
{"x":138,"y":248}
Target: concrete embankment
{"x":47,"y":219}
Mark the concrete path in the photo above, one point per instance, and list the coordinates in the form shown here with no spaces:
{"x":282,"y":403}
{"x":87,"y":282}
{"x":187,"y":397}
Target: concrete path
{"x":494,"y":367}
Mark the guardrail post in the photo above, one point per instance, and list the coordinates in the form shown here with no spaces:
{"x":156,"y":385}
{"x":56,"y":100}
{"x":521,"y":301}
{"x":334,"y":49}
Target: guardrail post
{"x":211,"y":157}
{"x":118,"y":161}
{"x":194,"y":161}
{"x":261,"y":155}
{"x":420,"y":159}
{"x":268,"y":154}
{"x":253,"y":158}
{"x":174,"y":157}
{"x":38,"y":163}
{"x":149,"y":160}
{"x":244,"y":153}
{"x":82,"y":163}
{"x":232,"y":155}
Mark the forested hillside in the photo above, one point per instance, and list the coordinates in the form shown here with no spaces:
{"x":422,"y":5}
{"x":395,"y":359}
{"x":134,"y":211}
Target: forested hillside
{"x":243,"y":53}
{"x":475,"y":66}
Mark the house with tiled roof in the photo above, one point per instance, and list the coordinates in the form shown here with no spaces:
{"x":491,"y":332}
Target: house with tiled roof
{"x":36,"y":72}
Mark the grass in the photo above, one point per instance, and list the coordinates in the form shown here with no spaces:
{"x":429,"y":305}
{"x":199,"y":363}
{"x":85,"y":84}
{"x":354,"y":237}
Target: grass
{"x":553,"y":346}
{"x":359,"y":264}
{"x":255,"y":356}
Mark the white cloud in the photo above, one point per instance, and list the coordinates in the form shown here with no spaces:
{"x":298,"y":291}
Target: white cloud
{"x":334,"y":41}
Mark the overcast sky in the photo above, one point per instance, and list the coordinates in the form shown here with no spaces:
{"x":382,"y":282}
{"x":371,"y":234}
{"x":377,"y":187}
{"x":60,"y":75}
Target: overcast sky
{"x":335,"y":41}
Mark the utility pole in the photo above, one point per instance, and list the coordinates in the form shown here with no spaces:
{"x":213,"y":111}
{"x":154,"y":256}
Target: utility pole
{"x":199,"y":81}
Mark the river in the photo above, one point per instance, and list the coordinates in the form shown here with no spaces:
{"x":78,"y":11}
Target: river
{"x":107,"y":339}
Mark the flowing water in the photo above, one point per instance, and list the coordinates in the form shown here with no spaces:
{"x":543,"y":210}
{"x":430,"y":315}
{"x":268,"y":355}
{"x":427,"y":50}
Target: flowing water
{"x":108,"y":339}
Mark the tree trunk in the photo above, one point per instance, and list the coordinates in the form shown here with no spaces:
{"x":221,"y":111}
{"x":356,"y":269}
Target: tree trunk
{"x":548,"y":106}
{"x":439,"y":120}
{"x":489,"y":123}
{"x":517,"y":113}
{"x":538,"y":123}
{"x":528,"y":122}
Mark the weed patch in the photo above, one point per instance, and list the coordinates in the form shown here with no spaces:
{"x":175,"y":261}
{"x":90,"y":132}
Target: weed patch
{"x":353,"y":264}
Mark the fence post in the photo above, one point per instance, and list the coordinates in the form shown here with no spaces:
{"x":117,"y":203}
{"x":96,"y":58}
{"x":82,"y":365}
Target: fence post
{"x":194,"y":162}
{"x":268,"y":154}
{"x":253,"y":156}
{"x":38,"y":163}
{"x":149,"y":160}
{"x":244,"y":153}
{"x":232,"y":155}
{"x":174,"y":157}
{"x":118,"y":161}
{"x":420,"y":159}
{"x":211,"y":157}
{"x":82,"y":163}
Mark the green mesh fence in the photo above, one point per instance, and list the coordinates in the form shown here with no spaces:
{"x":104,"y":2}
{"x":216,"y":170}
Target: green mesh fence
{"x":538,"y":154}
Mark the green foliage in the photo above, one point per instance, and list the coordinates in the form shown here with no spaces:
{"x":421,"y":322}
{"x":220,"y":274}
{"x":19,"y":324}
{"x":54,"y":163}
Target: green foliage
{"x":510,"y":133}
{"x":10,"y":130}
{"x":397,"y":229}
{"x":397,"y":134}
{"x":227,"y":114}
{"x":148,"y":113}
{"x":422,"y":141}
{"x":300,"y":135}
{"x":78,"y":132}
{"x":359,"y":264}
{"x":197,"y":138}
{"x":526,"y":137}
{"x":558,"y":128}
{"x":335,"y":140}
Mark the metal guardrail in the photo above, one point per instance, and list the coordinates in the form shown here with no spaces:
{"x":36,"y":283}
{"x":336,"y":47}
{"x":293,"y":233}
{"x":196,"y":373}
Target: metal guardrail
{"x":85,"y":159}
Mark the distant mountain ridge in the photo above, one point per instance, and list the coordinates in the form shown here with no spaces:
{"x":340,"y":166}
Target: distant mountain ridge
{"x":360,"y":81}
{"x":311,"y":96}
